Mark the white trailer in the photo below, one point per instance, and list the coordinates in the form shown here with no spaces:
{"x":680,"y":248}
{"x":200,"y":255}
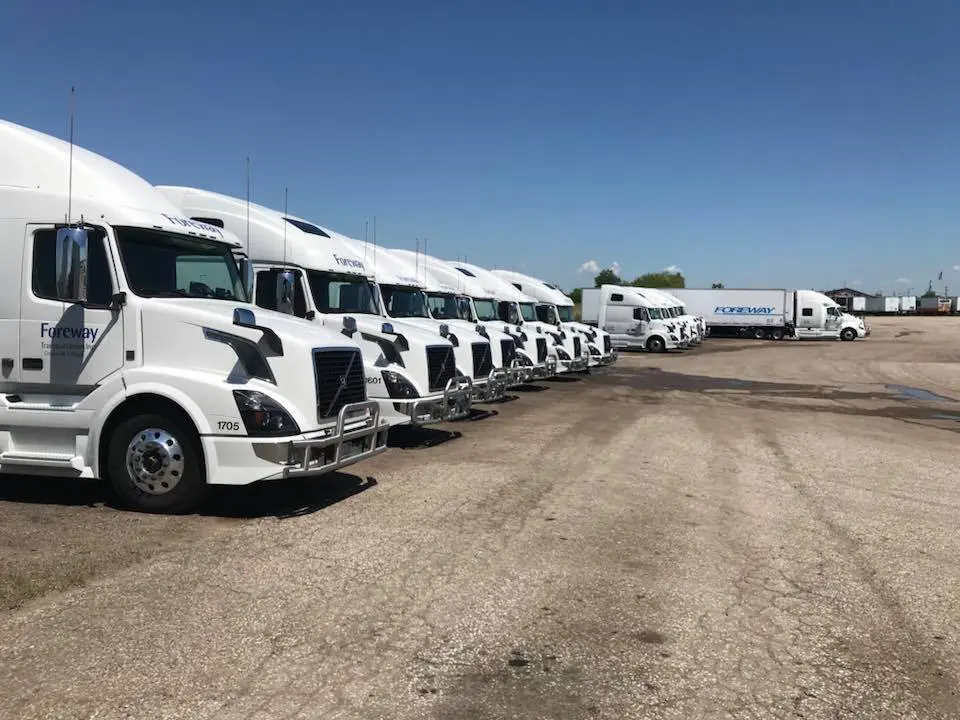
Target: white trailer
{"x":908,"y":304}
{"x":634,"y":321}
{"x":410,"y":372}
{"x":772,"y":313}
{"x":859,"y":304}
{"x":129,"y":350}
{"x":891,"y":304}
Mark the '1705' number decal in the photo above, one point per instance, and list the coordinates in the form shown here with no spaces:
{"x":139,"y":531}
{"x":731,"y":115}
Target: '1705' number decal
{"x":231,"y":425}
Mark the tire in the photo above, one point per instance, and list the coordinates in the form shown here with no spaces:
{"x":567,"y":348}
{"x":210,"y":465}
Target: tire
{"x":776,"y":334}
{"x":759,"y":333}
{"x":656,"y":344}
{"x":173,"y":451}
{"x":848,"y":334}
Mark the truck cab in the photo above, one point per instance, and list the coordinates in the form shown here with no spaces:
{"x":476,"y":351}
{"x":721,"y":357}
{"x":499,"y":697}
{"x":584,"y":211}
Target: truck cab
{"x":477,"y":305}
{"x":552,"y":301}
{"x":634,"y":321}
{"x":401,"y":285}
{"x":129,"y":350}
{"x":308,"y":271}
{"x":819,"y":317}
{"x":690,"y":328}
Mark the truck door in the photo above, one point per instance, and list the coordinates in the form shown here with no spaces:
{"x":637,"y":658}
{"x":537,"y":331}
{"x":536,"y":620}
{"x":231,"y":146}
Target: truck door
{"x":614,"y":316}
{"x":67,"y":348}
{"x":832,"y":319}
{"x":641,"y":317}
{"x":807,"y":321}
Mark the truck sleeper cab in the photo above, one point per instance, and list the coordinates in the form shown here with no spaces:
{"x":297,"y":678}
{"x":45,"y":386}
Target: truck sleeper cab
{"x":633,"y":321}
{"x":130,"y":352}
{"x":306,"y":271}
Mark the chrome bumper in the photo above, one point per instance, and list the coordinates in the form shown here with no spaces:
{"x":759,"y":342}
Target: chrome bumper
{"x":340,"y":446}
{"x":547,"y":369}
{"x":577,"y":364}
{"x":453,"y":404}
{"x":494,"y":388}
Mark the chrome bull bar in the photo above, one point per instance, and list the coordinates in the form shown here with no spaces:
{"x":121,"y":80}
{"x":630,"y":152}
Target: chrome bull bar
{"x":494,"y":388}
{"x":453,"y":404}
{"x":311,"y":456}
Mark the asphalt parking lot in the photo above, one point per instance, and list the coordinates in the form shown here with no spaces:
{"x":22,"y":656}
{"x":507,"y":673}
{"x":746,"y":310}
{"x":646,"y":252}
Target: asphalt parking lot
{"x":748,"y":530}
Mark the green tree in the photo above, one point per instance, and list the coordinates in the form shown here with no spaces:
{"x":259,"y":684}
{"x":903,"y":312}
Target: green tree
{"x":576,"y":295}
{"x":662,"y":279}
{"x":929,"y":294}
{"x":717,"y":286}
{"x":607,"y":277}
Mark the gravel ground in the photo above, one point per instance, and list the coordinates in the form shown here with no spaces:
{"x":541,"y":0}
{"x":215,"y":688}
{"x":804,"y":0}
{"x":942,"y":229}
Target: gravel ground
{"x":747,"y":530}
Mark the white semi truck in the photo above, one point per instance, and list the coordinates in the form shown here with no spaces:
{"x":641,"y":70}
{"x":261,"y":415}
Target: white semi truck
{"x":550,"y":299}
{"x":674,"y":307}
{"x":634,"y":320}
{"x":772,"y":313}
{"x":401,"y":285}
{"x":129,"y":351}
{"x":410,"y":372}
{"x":568,"y":351}
{"x":478,"y":304}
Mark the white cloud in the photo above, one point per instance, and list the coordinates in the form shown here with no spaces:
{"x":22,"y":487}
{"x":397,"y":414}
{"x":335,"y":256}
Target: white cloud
{"x":957,"y":268}
{"x":857,"y":283}
{"x":902,"y":281}
{"x":672,"y":269}
{"x":590,"y":266}
{"x":615,"y":266}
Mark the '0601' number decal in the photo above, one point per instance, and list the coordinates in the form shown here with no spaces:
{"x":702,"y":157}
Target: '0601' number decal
{"x":230,"y":425}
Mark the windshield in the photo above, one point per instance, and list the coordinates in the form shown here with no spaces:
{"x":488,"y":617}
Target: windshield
{"x":528,"y":312}
{"x":446,"y":307}
{"x":486,"y":310}
{"x":333,"y":293}
{"x":404,"y":302}
{"x":566,"y":313}
{"x":654,"y":313}
{"x":165,"y":264}
{"x":547,"y":313}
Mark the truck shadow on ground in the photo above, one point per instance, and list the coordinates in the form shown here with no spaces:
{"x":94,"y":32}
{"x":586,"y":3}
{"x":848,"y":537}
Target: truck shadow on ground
{"x":284,"y":499}
{"x":479,"y":413}
{"x":529,"y":388}
{"x":563,"y":379}
{"x":403,"y":437}
{"x":275,"y":498}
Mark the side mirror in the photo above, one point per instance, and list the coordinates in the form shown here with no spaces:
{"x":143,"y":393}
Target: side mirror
{"x":72,"y":264}
{"x":285,"y":285}
{"x":246,"y":275}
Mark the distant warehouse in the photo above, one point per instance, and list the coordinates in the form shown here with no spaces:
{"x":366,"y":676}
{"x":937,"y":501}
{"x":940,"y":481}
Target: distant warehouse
{"x":849,"y":299}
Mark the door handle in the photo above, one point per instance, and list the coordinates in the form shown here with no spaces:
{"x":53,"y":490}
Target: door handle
{"x":33,"y":364}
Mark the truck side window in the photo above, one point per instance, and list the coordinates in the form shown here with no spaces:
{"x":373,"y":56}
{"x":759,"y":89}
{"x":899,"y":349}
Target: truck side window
{"x":266,"y":295}
{"x":640,"y":314}
{"x":807,"y":312}
{"x":616,"y":297}
{"x":99,"y":286}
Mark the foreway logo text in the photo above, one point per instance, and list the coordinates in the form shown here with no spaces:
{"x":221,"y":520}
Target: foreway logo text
{"x":56,"y":332}
{"x":349,"y":262}
{"x":743,"y":310}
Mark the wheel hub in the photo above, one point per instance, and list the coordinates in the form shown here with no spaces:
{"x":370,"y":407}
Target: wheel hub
{"x":155,"y":461}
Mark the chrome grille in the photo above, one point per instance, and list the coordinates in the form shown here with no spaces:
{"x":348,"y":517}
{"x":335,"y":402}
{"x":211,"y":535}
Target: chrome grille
{"x":541,"y":350}
{"x":576,"y":347}
{"x":482,"y":362}
{"x":606,"y":344}
{"x":340,"y":380}
{"x":441,"y":366}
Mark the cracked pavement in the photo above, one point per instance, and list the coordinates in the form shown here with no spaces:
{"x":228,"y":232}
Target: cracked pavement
{"x":748,"y":530}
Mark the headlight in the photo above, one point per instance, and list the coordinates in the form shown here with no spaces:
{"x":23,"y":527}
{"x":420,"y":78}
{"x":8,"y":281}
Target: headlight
{"x":562,"y":354}
{"x":262,"y":415}
{"x":397,"y":385}
{"x":524,"y":360}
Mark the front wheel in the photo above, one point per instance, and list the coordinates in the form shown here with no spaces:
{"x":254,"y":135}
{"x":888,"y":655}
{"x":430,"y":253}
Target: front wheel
{"x":154,"y":465}
{"x":848,"y":334}
{"x":656,"y":344}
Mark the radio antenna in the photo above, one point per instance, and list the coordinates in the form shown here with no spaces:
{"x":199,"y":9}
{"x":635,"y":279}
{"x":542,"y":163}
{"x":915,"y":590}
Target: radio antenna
{"x":247,"y":238}
{"x":416,"y":255}
{"x":424,"y":261}
{"x":285,"y":223}
{"x":366,"y":241}
{"x":70,"y":162}
{"x":374,"y":239}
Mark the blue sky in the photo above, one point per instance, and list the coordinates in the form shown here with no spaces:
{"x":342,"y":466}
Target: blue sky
{"x":766,"y":143}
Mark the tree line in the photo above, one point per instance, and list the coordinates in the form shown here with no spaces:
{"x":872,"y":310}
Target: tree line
{"x":662,"y":279}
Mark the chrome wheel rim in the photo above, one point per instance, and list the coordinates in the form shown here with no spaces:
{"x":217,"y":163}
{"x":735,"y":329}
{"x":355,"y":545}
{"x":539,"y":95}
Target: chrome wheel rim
{"x":155,"y":461}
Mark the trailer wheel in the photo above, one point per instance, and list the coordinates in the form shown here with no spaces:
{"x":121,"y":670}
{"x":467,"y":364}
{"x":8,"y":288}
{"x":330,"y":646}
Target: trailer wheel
{"x":848,"y":334}
{"x":154,"y":465}
{"x":777,"y":333}
{"x":759,"y":333}
{"x":656,"y":344}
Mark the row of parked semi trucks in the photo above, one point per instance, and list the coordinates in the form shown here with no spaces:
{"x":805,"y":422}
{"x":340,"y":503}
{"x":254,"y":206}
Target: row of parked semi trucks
{"x":170,"y":338}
